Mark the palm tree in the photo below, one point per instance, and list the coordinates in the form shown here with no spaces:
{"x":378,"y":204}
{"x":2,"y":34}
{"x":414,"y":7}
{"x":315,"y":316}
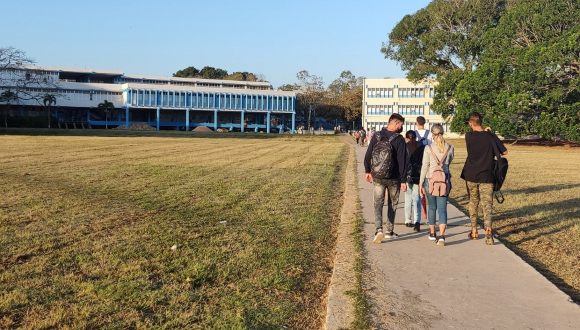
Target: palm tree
{"x":106,"y":107}
{"x":7,"y":96}
{"x":48,"y":100}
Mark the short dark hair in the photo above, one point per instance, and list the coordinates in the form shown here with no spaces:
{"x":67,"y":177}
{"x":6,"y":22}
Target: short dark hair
{"x":396,"y":116}
{"x":421,"y":120}
{"x":475,"y":118}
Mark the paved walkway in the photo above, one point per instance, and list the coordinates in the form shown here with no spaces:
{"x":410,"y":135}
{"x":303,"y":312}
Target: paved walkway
{"x":414,"y":284}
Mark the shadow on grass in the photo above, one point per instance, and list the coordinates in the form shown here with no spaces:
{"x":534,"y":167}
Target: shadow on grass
{"x":542,"y":189}
{"x":156,"y":134}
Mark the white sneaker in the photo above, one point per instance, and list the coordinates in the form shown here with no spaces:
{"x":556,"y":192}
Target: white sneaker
{"x":391,"y":235}
{"x":378,"y":237}
{"x":441,"y":241}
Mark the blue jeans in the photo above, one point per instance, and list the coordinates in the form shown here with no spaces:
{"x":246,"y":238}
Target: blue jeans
{"x":412,"y":203}
{"x":435,"y":204}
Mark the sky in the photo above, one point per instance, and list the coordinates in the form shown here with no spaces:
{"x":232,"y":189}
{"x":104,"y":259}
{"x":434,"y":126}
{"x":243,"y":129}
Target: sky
{"x":275,"y":38}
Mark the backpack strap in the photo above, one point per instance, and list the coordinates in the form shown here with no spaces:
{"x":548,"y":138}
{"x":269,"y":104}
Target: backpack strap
{"x":426,"y":134}
{"x":437,"y":159}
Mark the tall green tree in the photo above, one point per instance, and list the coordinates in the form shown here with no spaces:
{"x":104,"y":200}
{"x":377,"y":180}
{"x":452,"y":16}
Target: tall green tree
{"x":106,"y":107}
{"x":528,"y":80}
{"x":310,"y":96}
{"x":189,"y":72}
{"x":48,"y":100}
{"x":209,"y":72}
{"x":443,"y":41}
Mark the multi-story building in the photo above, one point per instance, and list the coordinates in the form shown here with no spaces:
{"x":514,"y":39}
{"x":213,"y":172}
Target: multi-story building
{"x":162,"y":102}
{"x":383,"y":97}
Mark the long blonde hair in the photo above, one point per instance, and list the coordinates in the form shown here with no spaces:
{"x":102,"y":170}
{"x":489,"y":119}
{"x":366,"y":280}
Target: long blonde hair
{"x":438,"y":140}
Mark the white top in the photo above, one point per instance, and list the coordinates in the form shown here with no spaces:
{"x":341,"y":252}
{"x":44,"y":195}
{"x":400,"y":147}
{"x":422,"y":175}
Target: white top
{"x":421,"y":133}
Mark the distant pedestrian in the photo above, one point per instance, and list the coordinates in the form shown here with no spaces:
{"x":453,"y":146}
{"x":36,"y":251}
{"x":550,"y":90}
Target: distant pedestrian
{"x":478,"y":174}
{"x":357,"y":137}
{"x":412,"y":195}
{"x":437,"y":153}
{"x":363,"y":136}
{"x":424,"y":136}
{"x":385,"y":167}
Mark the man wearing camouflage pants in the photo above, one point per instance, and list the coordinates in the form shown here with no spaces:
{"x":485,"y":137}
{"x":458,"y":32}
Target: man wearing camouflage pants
{"x":478,"y":174}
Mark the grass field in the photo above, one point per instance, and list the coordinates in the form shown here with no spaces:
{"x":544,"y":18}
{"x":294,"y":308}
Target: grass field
{"x":87,"y":226}
{"x":540,"y":218}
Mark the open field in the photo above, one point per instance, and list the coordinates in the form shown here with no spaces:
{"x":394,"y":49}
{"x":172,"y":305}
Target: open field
{"x":88,"y":222}
{"x":540,"y":218}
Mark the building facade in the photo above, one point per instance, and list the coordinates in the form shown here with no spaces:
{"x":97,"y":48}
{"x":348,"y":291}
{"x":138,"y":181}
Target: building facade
{"x":383,"y":97}
{"x":162,"y":102}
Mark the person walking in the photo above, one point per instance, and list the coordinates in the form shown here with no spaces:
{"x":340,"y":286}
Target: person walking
{"x":412,"y":195}
{"x":363,"y":135}
{"x":437,"y":153}
{"x":385,"y":167}
{"x":424,"y":136}
{"x":478,"y":174}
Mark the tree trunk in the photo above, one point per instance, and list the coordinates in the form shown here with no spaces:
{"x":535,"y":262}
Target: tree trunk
{"x":106,"y":120}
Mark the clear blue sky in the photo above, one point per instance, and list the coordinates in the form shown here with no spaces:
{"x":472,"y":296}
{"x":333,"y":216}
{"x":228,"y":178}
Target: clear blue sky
{"x":277,"y":39}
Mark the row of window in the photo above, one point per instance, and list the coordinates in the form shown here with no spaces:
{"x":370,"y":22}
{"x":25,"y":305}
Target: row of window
{"x":402,"y":109}
{"x":193,"y":84}
{"x":407,"y":126}
{"x":402,"y":92}
{"x":202,"y":100}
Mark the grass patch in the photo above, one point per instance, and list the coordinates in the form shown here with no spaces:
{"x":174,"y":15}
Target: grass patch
{"x":540,"y":218}
{"x":88,"y":219}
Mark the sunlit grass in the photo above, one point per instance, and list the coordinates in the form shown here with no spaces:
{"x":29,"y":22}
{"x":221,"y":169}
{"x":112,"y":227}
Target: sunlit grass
{"x":540,"y":218}
{"x":87,"y":224}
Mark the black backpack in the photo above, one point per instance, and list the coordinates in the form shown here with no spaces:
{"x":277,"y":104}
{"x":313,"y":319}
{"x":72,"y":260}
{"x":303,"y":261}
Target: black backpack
{"x":382,"y":157}
{"x":414,"y":168}
{"x":500,"y":168}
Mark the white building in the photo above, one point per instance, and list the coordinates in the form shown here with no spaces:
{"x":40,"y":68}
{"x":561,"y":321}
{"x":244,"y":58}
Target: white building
{"x":163,"y":102}
{"x":383,"y":97}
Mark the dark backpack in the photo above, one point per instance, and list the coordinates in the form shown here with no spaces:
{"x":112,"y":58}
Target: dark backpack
{"x":500,"y":168}
{"x":424,"y":137}
{"x":414,"y":167}
{"x":382,"y":157}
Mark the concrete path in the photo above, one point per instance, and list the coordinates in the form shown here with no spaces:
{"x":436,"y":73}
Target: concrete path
{"x":414,"y":284}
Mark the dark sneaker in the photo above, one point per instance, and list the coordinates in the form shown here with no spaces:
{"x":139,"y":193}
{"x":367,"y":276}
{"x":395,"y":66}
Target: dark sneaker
{"x":408,"y":224}
{"x":432,"y":237}
{"x":417,"y":227}
{"x":391,"y":235}
{"x":378,"y":237}
{"x":441,"y":241}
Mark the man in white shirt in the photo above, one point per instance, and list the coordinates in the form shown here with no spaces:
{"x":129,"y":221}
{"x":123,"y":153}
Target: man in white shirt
{"x":423,"y":135}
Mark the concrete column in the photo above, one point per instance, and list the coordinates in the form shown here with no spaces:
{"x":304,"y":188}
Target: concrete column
{"x":268,"y":122}
{"x":242,"y":121}
{"x":187,"y":119}
{"x":158,"y":114}
{"x":293,"y":123}
{"x":215,"y":120}
{"x":127,"y":118}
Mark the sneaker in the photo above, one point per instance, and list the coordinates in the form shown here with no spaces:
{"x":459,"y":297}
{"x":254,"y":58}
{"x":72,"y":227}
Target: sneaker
{"x":441,"y":241}
{"x":378,"y":237}
{"x":391,"y":235}
{"x":432,"y":237}
{"x":408,"y":224}
{"x":417,"y":227}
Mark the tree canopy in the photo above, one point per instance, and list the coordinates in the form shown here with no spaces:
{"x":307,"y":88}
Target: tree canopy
{"x":514,"y":61}
{"x":208,"y":72}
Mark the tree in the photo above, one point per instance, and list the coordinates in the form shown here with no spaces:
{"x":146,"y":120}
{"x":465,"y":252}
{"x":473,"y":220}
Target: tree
{"x":310,"y":95}
{"x":443,"y":41}
{"x":48,"y":101}
{"x":7,"y":97}
{"x":189,"y":72}
{"x":289,"y":87}
{"x":26,"y":80}
{"x":529,"y":77}
{"x":209,"y":72}
{"x":106,"y":107}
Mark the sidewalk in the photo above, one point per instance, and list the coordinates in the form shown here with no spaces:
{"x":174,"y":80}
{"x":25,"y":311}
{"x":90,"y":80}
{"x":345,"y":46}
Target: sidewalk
{"x":414,"y":284}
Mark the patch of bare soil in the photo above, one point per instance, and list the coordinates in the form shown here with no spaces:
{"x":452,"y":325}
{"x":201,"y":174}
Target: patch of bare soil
{"x":202,"y":129}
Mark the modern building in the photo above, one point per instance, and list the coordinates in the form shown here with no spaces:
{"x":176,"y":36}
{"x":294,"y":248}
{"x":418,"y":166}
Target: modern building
{"x":383,"y":97}
{"x":162,"y":102}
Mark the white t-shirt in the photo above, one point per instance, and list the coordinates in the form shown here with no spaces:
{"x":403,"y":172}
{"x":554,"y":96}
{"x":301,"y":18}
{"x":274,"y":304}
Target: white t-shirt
{"x":421,"y":134}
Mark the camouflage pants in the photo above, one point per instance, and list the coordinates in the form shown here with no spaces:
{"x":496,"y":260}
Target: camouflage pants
{"x":393,"y":187}
{"x":480,"y":194}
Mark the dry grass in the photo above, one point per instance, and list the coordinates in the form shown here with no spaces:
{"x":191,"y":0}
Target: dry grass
{"x":540,"y":218}
{"x":87,"y":224}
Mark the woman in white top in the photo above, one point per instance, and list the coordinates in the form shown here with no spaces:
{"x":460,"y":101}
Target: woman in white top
{"x":442,"y":151}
